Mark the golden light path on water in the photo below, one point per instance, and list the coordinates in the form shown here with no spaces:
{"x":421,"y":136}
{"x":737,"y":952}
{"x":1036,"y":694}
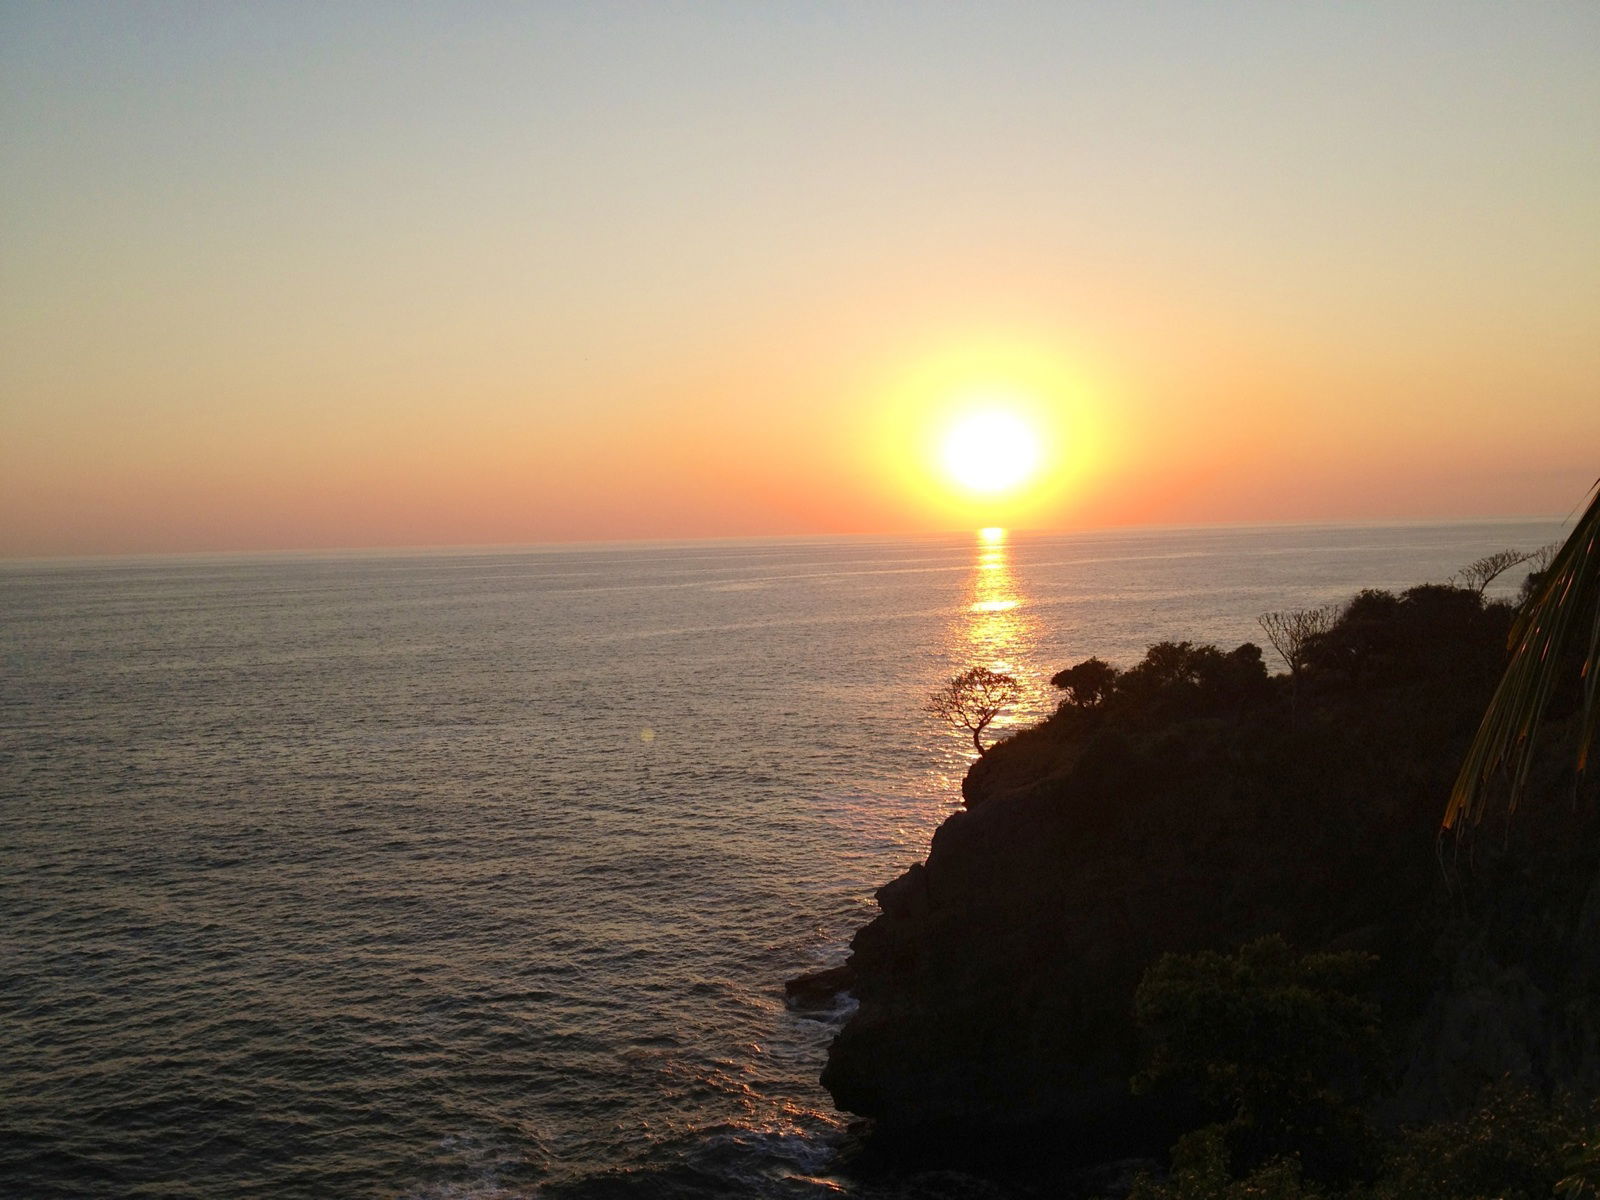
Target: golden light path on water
{"x":997,"y":627}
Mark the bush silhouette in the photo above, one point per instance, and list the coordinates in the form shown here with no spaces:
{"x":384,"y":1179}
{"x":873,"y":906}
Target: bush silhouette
{"x":1279,"y":1045}
{"x":1088,"y":685}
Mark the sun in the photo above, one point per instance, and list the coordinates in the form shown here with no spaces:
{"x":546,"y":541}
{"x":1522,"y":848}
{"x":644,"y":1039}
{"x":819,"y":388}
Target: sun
{"x":991,"y":451}
{"x":986,"y":432}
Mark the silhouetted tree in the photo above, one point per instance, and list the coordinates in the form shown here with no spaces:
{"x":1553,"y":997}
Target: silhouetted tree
{"x":1088,"y":685}
{"x":1538,"y":564}
{"x":1289,"y":631}
{"x":1432,"y":630}
{"x":1236,"y":679}
{"x":1180,"y":679}
{"x":1480,"y":573}
{"x":974,"y":698}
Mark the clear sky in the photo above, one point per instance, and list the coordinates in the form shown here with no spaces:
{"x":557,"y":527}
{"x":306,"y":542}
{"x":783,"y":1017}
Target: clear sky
{"x":282,"y":275}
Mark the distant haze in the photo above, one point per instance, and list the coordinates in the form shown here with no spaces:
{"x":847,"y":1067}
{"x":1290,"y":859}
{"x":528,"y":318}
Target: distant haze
{"x":283,"y":275}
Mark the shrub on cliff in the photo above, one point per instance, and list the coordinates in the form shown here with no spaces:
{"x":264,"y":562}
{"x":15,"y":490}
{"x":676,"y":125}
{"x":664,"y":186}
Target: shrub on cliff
{"x":1430,"y":632}
{"x":1432,"y":635}
{"x":1088,"y":685}
{"x":1282,"y":1046}
{"x":1177,"y":680}
{"x":1513,"y":1146}
{"x":1200,"y":1172}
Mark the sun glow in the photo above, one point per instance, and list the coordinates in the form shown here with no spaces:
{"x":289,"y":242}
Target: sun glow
{"x":991,"y":451}
{"x":988,"y":433}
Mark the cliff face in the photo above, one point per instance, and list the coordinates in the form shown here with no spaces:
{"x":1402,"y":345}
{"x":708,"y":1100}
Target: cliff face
{"x":996,"y":986}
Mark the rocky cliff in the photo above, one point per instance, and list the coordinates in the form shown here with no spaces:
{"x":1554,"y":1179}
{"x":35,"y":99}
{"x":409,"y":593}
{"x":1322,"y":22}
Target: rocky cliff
{"x":1201,"y":807}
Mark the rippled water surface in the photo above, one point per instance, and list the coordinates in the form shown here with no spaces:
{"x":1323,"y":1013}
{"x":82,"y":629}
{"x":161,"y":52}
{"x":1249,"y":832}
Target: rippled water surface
{"x":479,"y":874}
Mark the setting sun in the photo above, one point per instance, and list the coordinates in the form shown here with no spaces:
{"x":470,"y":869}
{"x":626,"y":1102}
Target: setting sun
{"x":989,"y":431}
{"x":991,"y":451}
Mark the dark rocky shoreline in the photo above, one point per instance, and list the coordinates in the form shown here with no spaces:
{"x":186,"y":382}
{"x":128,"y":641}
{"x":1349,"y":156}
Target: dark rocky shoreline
{"x":995,"y":987}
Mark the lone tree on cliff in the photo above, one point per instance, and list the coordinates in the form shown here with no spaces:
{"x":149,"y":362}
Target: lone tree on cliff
{"x":974,"y":698}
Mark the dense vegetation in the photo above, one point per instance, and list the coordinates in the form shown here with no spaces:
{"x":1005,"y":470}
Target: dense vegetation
{"x":1281,"y":1048}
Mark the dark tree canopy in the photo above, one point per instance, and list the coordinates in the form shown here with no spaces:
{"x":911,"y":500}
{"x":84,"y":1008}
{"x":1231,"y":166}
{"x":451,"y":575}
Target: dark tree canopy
{"x":1178,"y":679}
{"x":1272,"y":1040}
{"x":1174,"y":680}
{"x":1384,"y":639}
{"x":1088,"y":685}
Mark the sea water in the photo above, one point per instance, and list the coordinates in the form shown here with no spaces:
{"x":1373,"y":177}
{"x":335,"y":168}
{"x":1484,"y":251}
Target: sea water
{"x":479,"y":873}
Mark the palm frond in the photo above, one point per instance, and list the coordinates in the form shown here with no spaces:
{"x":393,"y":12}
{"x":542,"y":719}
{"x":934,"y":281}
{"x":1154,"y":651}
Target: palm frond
{"x":1559,"y":617}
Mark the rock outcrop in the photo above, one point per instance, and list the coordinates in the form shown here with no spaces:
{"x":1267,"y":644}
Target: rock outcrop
{"x":1203,"y":811}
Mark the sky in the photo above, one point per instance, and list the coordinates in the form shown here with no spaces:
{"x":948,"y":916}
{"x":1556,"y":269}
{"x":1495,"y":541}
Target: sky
{"x":304,"y":275}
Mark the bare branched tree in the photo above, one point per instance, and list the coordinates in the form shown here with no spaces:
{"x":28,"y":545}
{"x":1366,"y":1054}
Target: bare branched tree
{"x":1539,"y":561}
{"x":1291,"y":629}
{"x":974,"y":698}
{"x":1480,"y":573}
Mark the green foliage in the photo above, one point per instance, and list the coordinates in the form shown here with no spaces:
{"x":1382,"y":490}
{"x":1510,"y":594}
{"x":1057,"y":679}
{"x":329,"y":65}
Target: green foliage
{"x":1514,"y":1146}
{"x":1582,"y":1166}
{"x":1200,"y":1172}
{"x":1279,"y":1043}
{"x":1509,"y":1149}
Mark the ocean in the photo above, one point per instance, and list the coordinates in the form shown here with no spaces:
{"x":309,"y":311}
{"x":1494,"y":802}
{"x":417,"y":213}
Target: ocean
{"x":479,"y":873}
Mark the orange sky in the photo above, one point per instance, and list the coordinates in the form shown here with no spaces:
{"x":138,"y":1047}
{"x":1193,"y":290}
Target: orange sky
{"x":282,"y":278}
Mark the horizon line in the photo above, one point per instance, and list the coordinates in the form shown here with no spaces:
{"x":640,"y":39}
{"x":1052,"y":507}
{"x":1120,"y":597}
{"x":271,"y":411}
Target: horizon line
{"x":469,"y":548}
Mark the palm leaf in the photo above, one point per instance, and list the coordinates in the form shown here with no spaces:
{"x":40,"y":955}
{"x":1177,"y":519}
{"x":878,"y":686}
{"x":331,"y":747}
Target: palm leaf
{"x":1562,"y":615}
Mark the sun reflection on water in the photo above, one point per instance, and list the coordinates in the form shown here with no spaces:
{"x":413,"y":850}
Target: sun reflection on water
{"x":994,"y":627}
{"x":997,"y":628}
